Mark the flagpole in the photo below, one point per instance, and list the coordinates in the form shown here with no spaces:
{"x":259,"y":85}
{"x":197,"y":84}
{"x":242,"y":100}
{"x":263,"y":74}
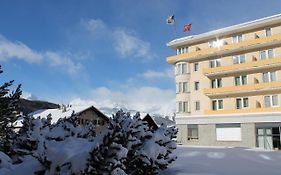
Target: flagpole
{"x":171,"y":21}
{"x":175,"y":29}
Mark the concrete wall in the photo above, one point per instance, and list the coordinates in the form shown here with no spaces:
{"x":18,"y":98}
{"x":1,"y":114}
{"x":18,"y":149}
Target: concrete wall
{"x":207,"y":136}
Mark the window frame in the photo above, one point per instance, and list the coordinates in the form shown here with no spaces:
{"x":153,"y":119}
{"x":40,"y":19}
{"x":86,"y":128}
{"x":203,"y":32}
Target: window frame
{"x":181,"y":69}
{"x":215,"y":63}
{"x":236,"y":40}
{"x":182,"y":107}
{"x":196,"y":85}
{"x":271,"y":101}
{"x":196,"y":67}
{"x":269,"y":77}
{"x":268,"y":29}
{"x":197,"y":105}
{"x":212,"y":43}
{"x":191,"y":129}
{"x":218,"y":83}
{"x":239,"y":60}
{"x":240,"y":77}
{"x":243,"y":99}
{"x":267,"y":54}
{"x":217,"y":104}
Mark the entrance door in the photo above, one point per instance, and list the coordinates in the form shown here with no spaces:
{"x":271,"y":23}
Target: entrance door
{"x":265,"y":138}
{"x":269,"y":138}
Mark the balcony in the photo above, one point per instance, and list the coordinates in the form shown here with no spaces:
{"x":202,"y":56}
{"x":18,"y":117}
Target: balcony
{"x":227,"y":49}
{"x":244,"y":90}
{"x":244,"y":68}
{"x":246,"y":110}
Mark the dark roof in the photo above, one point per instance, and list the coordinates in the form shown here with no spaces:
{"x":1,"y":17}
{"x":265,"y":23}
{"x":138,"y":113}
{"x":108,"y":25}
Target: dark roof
{"x":98,"y":112}
{"x":150,"y":121}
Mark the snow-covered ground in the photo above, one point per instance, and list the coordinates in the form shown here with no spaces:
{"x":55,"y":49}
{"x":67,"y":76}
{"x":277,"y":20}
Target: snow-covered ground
{"x":224,"y":161}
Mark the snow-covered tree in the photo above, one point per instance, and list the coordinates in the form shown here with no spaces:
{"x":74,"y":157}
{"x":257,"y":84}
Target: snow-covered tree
{"x":108,"y":156}
{"x":49,"y":143}
{"x":126,"y":146}
{"x":131,"y":146}
{"x":8,"y":115}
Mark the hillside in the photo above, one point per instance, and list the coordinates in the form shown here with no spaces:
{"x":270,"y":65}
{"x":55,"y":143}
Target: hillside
{"x":28,"y":106}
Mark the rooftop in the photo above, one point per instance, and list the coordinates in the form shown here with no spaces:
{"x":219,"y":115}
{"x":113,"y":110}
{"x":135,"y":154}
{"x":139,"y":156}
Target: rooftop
{"x":267,"y":21}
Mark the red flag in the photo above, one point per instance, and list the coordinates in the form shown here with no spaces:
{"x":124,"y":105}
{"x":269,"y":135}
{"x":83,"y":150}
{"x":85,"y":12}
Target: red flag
{"x":187,"y":27}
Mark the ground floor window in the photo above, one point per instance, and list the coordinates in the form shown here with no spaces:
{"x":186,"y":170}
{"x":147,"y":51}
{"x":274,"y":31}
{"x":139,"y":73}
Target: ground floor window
{"x":192,"y":132}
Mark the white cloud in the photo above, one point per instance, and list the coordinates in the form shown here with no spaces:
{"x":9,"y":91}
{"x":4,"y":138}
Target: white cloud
{"x":17,"y":50}
{"x":126,"y":43}
{"x":28,"y":96}
{"x":151,"y":74}
{"x":94,"y":25}
{"x":143,"y":99}
{"x":58,"y":60}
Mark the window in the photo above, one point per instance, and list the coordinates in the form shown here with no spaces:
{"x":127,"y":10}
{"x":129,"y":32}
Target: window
{"x":216,"y":83}
{"x":196,"y":85}
{"x":196,"y":67}
{"x":185,"y":107}
{"x":182,"y":50}
{"x":102,"y":122}
{"x":215,"y":63}
{"x":212,"y":43}
{"x":181,"y":68}
{"x":240,"y":80}
{"x":217,"y":105}
{"x":197,"y":105}
{"x":238,"y":59}
{"x":192,"y":132}
{"x":266,"y":54}
{"x":271,"y":101}
{"x":182,"y":107}
{"x":268,"y":32}
{"x":182,"y":87}
{"x":269,"y":76}
{"x":237,"y":38}
{"x":95,"y":122}
{"x":242,"y":103}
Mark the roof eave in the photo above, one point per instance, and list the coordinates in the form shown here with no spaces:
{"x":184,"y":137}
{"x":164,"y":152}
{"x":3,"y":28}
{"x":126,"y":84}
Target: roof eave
{"x":271,"y":20}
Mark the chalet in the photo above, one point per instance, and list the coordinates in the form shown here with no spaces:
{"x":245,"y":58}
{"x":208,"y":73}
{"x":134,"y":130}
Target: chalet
{"x":84,"y":113}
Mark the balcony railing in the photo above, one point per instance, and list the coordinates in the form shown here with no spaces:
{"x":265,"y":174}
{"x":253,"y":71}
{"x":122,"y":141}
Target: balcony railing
{"x":244,"y":90}
{"x":245,"y":110}
{"x":226,"y":49}
{"x":244,"y":68}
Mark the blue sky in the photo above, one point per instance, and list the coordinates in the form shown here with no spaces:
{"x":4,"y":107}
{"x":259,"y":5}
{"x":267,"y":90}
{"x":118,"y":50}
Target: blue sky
{"x":107,"y":52}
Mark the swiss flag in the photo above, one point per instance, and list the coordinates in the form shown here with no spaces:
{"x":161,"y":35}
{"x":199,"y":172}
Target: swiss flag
{"x":187,"y":27}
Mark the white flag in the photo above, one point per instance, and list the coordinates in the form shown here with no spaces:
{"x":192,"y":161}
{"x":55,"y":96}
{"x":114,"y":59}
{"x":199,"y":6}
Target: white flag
{"x":170,"y":19}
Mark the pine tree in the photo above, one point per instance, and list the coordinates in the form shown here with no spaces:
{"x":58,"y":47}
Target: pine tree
{"x":8,"y":115}
{"x":108,"y":155}
{"x":131,"y":147}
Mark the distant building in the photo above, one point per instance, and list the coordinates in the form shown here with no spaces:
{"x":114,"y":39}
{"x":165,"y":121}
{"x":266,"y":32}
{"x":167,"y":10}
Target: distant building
{"x":84,"y":114}
{"x":150,"y":121}
{"x":228,"y":85}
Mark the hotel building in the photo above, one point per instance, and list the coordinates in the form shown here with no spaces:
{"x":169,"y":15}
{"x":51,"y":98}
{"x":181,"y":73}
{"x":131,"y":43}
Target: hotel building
{"x":228,"y":85}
